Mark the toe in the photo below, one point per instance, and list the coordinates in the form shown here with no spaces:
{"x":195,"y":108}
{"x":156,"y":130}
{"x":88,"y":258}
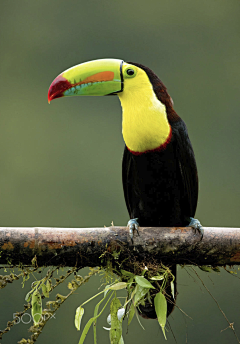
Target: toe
{"x":132,"y":225}
{"x":195,"y":223}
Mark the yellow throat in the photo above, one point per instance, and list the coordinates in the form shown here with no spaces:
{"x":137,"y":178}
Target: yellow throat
{"x":145,"y":125}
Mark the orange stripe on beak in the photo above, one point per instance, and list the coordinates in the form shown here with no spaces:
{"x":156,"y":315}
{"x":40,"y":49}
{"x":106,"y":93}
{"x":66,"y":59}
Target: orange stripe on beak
{"x":102,"y":76}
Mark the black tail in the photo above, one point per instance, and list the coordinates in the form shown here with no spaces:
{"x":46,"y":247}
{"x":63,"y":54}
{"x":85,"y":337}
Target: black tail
{"x":148,"y":311}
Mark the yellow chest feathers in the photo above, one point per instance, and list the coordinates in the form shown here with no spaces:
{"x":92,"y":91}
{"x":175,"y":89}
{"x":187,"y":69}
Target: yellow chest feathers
{"x":144,"y":120}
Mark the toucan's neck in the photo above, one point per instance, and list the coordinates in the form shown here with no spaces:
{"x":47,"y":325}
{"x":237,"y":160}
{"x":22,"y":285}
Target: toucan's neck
{"x":145,"y":126}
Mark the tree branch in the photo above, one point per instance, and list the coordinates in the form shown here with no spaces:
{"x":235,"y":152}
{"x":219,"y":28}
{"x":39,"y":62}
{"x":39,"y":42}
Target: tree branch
{"x":83,"y":246}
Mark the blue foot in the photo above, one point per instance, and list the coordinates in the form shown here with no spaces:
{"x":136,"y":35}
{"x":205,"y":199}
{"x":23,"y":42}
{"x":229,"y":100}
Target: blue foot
{"x":195,"y":223}
{"x":133,"y":225}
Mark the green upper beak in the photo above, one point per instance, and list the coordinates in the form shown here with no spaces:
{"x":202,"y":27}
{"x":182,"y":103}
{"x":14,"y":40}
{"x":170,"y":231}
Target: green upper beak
{"x":94,"y":78}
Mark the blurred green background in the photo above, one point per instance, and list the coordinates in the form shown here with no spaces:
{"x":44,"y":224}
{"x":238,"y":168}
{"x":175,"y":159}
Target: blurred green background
{"x":61,"y":163}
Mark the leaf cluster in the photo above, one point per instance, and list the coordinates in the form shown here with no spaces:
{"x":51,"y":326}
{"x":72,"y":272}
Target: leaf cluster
{"x":140,"y":288}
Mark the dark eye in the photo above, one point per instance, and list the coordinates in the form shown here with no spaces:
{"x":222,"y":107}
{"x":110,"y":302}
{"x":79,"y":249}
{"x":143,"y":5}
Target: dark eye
{"x":130,"y":71}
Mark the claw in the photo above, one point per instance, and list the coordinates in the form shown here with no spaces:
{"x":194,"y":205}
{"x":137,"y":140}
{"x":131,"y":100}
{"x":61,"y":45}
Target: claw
{"x":195,"y":223}
{"x":133,"y":224}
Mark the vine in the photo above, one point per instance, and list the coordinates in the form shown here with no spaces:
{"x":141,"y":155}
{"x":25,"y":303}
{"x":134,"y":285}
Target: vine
{"x":149,"y":284}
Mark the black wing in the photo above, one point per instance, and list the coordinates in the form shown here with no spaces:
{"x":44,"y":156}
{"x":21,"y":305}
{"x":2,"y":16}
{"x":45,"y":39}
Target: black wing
{"x":126,"y":178}
{"x":187,"y":167}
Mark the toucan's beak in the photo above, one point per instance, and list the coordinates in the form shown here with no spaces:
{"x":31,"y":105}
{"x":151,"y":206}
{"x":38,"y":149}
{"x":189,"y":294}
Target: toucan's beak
{"x":94,"y":78}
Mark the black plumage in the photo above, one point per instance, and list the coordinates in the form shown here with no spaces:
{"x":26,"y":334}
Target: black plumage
{"x":161,"y":187}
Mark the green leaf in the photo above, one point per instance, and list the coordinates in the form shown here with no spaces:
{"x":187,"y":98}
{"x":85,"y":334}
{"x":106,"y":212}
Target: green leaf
{"x":45,"y":291}
{"x":78,"y":317}
{"x":116,"y":325}
{"x":36,"y":307}
{"x":35,"y":284}
{"x":127,"y":273}
{"x":172,"y":289}
{"x":118,"y":286}
{"x":160,"y":304}
{"x":157,"y":278}
{"x":205,"y":268}
{"x":131,"y":313}
{"x":143,"y":282}
{"x":139,"y":294}
{"x":49,"y":285}
{"x":29,"y":296}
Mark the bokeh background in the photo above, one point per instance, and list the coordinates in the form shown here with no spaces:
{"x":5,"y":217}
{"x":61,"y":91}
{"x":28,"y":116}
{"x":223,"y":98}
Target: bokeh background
{"x":61,"y":163}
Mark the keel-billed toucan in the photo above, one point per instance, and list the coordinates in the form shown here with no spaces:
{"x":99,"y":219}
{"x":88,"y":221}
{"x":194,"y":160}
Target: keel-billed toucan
{"x":159,"y":171}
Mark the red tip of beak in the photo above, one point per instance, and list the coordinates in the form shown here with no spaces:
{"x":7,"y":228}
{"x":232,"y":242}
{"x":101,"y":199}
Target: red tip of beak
{"x":58,"y":86}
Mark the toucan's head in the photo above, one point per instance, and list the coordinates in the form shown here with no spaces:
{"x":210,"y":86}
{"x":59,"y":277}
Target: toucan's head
{"x":144,"y":98}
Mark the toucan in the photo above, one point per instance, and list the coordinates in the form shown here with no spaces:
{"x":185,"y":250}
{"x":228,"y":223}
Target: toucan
{"x":159,"y":172}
